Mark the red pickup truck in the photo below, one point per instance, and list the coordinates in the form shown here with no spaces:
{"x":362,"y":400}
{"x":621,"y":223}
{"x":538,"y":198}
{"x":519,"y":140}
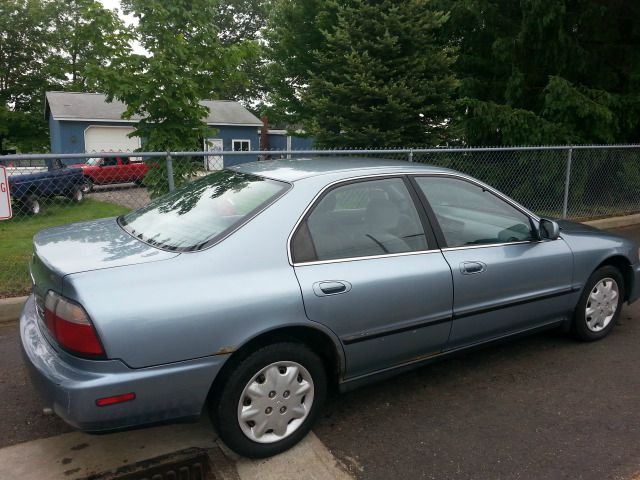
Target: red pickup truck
{"x":104,"y":171}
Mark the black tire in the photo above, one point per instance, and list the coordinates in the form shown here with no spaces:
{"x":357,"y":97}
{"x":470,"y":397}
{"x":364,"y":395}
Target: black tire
{"x":87,"y":185}
{"x":580,"y":328}
{"x":139,"y":183}
{"x":77,"y":195}
{"x":29,"y":205}
{"x":224,"y":405}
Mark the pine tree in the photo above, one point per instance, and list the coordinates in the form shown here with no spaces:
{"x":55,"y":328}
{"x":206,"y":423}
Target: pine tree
{"x":547,"y":71}
{"x":383,"y":77}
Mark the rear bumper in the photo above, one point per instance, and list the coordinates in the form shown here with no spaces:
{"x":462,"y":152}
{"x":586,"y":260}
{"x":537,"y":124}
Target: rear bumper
{"x":71,"y":385}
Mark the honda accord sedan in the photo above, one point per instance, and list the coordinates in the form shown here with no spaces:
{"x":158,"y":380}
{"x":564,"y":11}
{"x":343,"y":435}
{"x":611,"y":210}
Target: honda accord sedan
{"x":256,"y":289}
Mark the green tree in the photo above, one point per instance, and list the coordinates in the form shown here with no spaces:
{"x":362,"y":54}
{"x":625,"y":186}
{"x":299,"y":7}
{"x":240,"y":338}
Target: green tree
{"x":547,"y":71}
{"x":24,"y":52}
{"x":46,"y":44}
{"x":186,"y":63}
{"x":362,"y":73}
{"x":295,"y":30}
{"x":85,"y":33}
{"x":384,"y":78}
{"x":242,"y":23}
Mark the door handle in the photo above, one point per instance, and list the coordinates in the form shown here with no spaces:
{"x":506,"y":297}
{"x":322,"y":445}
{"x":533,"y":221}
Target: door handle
{"x":470,"y":268}
{"x":331,"y":287}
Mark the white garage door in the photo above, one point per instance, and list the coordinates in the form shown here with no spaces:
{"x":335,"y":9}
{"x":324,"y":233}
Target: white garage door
{"x":109,"y":139}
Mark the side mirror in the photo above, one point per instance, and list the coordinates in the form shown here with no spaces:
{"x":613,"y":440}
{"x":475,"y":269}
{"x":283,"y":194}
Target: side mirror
{"x":549,"y":229}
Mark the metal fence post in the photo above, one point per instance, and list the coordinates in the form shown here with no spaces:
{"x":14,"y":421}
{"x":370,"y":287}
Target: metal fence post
{"x":172,"y":185}
{"x":567,"y":179}
{"x":411,"y":154}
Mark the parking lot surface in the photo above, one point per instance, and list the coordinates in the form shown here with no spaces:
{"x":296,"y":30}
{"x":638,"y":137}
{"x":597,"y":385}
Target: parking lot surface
{"x":544,"y":406}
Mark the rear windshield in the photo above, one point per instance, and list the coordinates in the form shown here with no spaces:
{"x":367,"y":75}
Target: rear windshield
{"x":200,"y":213}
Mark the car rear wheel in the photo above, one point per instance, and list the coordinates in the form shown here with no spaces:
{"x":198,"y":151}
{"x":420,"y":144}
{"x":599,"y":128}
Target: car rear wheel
{"x":270,"y":400}
{"x":600,"y":304}
{"x":30,"y":205}
{"x":77,"y":195}
{"x":87,"y":185}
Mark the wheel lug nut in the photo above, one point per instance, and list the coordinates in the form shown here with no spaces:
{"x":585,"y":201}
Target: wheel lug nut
{"x":272,"y":394}
{"x":268,"y":410}
{"x":286,"y":394}
{"x":283,"y":409}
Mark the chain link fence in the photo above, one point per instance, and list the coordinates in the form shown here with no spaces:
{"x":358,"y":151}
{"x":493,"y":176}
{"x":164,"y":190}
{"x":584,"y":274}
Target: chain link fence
{"x":576,"y":182}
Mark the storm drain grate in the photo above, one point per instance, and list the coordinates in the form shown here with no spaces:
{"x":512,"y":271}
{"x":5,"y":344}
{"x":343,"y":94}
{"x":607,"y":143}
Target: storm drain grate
{"x":189,"y":464}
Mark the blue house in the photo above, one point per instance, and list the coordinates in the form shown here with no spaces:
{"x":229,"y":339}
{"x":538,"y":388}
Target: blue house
{"x":87,"y":123}
{"x":283,"y":140}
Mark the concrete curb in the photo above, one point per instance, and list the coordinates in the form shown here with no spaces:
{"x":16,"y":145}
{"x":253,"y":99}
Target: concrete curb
{"x":10,"y":308}
{"x":615,"y":222}
{"x":79,"y":455}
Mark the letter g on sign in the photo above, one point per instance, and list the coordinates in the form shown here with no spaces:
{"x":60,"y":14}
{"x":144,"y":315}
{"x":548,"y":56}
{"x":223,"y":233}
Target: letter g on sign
{"x":5,"y":200}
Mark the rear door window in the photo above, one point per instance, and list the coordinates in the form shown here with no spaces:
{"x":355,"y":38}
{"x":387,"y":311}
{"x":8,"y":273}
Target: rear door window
{"x":362,"y":219}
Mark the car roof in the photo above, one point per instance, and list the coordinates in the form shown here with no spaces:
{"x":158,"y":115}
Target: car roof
{"x":291,"y":170}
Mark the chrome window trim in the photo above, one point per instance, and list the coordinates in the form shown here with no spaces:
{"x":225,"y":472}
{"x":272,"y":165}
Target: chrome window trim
{"x":318,"y":195}
{"x":370,"y":257}
{"x":504,"y":244}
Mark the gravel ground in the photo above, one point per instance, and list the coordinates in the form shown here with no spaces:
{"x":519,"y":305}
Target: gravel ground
{"x":128,"y":195}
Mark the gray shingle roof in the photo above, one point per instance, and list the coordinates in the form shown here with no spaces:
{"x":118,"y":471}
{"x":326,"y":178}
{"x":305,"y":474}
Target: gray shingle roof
{"x":93,"y":106}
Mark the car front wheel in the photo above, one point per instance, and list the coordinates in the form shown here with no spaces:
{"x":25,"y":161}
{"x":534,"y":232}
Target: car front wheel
{"x":600,"y":304}
{"x":270,"y":400}
{"x":87,"y":185}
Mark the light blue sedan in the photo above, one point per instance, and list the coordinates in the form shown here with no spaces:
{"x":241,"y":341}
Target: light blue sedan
{"x":257,"y":289}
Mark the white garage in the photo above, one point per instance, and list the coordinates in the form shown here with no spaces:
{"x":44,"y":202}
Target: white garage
{"x":99,"y":138}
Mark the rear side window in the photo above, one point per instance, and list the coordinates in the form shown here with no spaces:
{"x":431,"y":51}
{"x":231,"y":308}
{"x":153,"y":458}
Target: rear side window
{"x":200,"y":213}
{"x":367,"y":218}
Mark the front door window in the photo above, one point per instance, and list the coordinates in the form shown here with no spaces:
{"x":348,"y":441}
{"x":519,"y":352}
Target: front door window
{"x":470,"y":215}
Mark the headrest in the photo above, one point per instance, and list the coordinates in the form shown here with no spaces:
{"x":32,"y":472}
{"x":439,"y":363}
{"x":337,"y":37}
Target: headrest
{"x":382,"y":214}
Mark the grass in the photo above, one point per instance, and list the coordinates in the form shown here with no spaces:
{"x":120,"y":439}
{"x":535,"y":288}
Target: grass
{"x":16,"y":237}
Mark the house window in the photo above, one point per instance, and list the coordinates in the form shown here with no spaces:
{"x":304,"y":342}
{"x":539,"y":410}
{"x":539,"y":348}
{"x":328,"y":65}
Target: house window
{"x":241,"y":145}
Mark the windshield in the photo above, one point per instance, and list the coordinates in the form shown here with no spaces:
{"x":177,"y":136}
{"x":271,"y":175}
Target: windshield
{"x":94,"y":162}
{"x":198,"y":214}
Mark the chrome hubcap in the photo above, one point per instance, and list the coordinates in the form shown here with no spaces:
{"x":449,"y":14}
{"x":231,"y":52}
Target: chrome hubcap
{"x":602,"y":304}
{"x":275,"y":402}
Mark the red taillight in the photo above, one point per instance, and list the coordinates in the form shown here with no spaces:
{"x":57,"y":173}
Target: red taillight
{"x":125,"y":397}
{"x":70,"y":326}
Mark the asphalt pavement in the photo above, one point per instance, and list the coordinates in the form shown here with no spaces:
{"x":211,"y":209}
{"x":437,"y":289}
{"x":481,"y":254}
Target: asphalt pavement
{"x":541,"y":407}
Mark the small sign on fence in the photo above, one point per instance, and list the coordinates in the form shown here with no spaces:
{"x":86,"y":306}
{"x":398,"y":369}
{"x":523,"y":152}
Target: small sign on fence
{"x":5,"y":199}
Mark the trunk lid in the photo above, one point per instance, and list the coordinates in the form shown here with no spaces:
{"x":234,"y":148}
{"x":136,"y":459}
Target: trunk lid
{"x":81,"y":247}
